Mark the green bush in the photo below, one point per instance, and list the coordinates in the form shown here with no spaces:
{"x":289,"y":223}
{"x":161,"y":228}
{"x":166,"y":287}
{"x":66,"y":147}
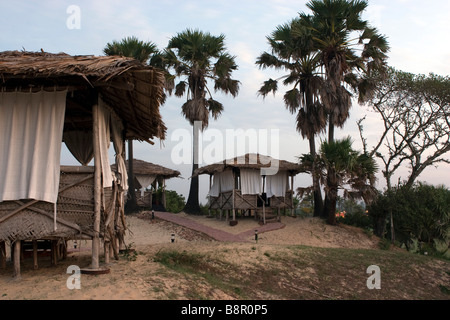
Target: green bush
{"x":174,"y":201}
{"x":357,"y":219}
{"x":420,"y":213}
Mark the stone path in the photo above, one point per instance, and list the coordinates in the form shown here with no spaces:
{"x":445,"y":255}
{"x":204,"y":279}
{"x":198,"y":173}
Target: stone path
{"x":217,"y":234}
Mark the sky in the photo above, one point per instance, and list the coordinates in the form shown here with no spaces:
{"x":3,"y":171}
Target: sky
{"x":417,"y":32}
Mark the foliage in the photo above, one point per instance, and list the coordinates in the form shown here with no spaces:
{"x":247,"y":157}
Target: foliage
{"x":196,"y":57}
{"x":132,"y":47}
{"x":353,"y":172}
{"x":420,"y":213}
{"x":354,"y":214}
{"x":174,"y":202}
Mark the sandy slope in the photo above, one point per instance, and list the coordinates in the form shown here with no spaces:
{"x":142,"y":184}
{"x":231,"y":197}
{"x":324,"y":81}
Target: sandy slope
{"x":139,"y":277}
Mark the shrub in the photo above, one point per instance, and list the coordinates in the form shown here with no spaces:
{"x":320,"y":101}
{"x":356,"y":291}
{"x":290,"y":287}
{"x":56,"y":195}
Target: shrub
{"x":420,"y":213}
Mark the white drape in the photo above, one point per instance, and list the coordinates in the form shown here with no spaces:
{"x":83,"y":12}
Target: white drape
{"x":31,"y":128}
{"x":117,"y":137}
{"x":223,"y":182}
{"x":145,"y":181}
{"x":105,"y":139}
{"x":214,"y":191}
{"x":276,"y":185}
{"x":80,"y":144}
{"x":226,"y":181}
{"x":251,"y":181}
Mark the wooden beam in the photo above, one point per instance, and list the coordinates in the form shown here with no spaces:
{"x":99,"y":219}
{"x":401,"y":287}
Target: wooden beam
{"x":2,"y":254}
{"x":35,"y":254}
{"x":97,"y":188}
{"x":16,"y":255}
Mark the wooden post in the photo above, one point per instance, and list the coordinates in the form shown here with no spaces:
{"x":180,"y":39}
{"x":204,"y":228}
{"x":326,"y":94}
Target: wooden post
{"x":209,"y":197}
{"x":35,"y":255}
{"x":234,"y":210}
{"x":54,"y":253}
{"x":107,"y":253}
{"x":292,"y":195}
{"x":164,"y":193}
{"x":16,"y":251}
{"x":2,"y":254}
{"x":97,"y":187}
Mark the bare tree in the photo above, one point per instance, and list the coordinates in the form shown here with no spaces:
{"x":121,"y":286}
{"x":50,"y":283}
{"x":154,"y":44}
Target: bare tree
{"x":415,"y":110}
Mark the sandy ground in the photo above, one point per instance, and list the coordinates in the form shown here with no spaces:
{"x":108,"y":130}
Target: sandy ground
{"x":139,"y":277}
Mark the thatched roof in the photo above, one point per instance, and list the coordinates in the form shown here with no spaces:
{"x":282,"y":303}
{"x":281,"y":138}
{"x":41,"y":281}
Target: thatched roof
{"x":133,"y":90}
{"x":147,"y":168}
{"x":250,"y":161}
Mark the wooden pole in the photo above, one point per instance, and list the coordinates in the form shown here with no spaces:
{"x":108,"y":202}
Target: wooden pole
{"x":97,"y":187}
{"x":2,"y":254}
{"x":16,"y":250}
{"x":292,"y":196}
{"x":35,"y":254}
{"x":164,"y":193}
{"x":209,"y":197}
{"x":232,"y":195}
{"x":107,"y":254}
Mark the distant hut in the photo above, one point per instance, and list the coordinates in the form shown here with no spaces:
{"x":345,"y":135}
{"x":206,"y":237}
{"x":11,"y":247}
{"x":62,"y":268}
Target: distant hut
{"x":148,"y":177}
{"x":87,"y":102}
{"x":254,"y":183}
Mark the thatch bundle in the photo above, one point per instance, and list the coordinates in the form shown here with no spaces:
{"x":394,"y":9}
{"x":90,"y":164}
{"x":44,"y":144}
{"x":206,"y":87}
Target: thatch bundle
{"x":133,"y":90}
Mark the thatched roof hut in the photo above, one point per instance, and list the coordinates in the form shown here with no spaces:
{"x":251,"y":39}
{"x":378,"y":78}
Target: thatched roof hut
{"x":250,"y":161}
{"x":148,"y":168}
{"x":56,"y":97}
{"x":251,"y":182}
{"x":132,"y":89}
{"x":146,"y":175}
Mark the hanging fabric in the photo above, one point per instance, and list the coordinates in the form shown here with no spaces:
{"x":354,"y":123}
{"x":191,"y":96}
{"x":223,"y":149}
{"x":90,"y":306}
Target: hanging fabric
{"x":226,"y":181}
{"x":117,"y":138}
{"x":276,"y":185}
{"x":80,"y":144}
{"x":251,"y":181}
{"x":214,"y":191}
{"x":31,"y":129}
{"x":105,"y":139}
{"x":145,"y":181}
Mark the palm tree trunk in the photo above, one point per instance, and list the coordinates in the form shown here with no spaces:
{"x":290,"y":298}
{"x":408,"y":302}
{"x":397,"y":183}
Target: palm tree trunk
{"x":131,"y":205}
{"x":192,"y":205}
{"x":330,"y":129}
{"x":318,"y":201}
{"x":329,"y":210}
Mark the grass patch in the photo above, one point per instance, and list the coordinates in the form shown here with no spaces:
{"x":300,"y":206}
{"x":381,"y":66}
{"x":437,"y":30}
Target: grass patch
{"x":300,"y":272}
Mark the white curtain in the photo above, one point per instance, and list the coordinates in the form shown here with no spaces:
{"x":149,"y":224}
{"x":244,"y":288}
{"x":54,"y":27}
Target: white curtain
{"x":80,"y":144}
{"x":251,"y":181}
{"x":226,"y":181}
{"x":215,"y":188}
{"x":31,"y":129}
{"x":117,"y":137}
{"x":145,"y":181}
{"x":105,"y":139}
{"x":276,"y":185}
{"x":223,"y":182}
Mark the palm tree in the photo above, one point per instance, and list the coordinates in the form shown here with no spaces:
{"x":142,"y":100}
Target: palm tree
{"x":339,"y":34}
{"x":197,"y":57}
{"x":292,"y":51}
{"x":350,"y":50}
{"x":354,"y":172}
{"x":145,"y":52}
